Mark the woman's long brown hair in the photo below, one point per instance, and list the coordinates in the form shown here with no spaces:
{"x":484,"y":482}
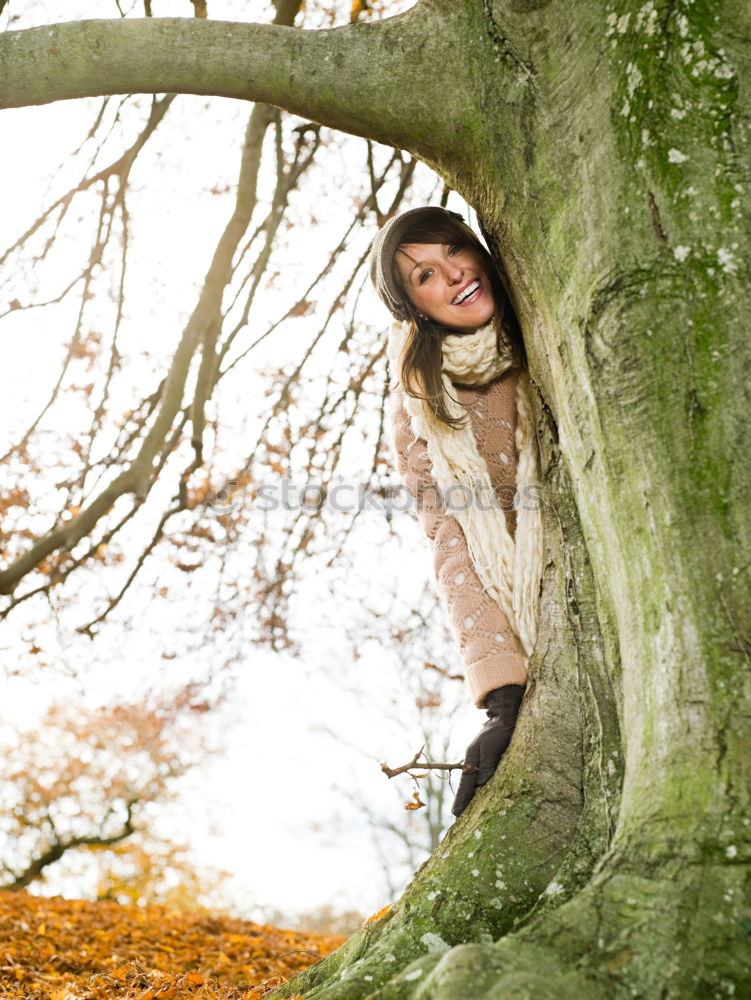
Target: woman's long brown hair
{"x":420,"y":374}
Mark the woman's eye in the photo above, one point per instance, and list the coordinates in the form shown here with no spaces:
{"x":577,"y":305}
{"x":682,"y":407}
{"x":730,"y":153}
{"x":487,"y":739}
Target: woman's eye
{"x":454,"y":249}
{"x":424,"y":277}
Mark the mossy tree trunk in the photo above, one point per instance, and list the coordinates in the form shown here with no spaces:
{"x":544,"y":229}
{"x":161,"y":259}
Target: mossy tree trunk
{"x":606,"y":149}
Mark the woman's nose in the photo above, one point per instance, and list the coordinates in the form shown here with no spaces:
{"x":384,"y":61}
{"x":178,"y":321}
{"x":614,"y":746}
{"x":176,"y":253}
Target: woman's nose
{"x":454,"y":273}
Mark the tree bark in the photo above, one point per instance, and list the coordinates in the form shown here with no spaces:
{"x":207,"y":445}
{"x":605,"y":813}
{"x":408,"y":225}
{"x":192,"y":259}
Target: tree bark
{"x":367,"y":79}
{"x":607,"y":153}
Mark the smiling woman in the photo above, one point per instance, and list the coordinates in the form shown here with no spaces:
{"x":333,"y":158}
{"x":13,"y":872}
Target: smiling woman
{"x":466,"y":449}
{"x":447,"y":282}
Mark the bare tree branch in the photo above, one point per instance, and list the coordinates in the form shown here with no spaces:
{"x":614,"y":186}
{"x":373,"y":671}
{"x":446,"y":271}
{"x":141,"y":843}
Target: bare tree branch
{"x":202,"y":328}
{"x":32,"y":872}
{"x":425,"y":765}
{"x":120,"y":168}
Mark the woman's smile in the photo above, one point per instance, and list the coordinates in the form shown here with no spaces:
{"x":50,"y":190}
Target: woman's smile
{"x":448,"y":283}
{"x":468,"y":294}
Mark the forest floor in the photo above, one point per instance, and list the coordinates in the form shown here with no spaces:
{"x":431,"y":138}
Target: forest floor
{"x":59,"y":949}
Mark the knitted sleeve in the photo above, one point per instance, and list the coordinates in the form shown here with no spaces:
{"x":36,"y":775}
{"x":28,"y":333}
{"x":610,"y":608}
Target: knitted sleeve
{"x":489,"y":649}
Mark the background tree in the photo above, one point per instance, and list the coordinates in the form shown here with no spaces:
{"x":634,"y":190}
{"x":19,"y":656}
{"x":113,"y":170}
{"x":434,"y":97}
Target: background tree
{"x":143,"y":871}
{"x":611,"y":852}
{"x":85,"y":778}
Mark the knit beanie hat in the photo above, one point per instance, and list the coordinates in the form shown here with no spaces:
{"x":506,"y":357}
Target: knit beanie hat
{"x":386,"y":243}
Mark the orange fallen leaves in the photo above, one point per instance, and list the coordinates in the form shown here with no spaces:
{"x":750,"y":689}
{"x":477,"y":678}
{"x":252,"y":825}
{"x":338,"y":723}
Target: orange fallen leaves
{"x":56,"y":949}
{"x":377,"y":916}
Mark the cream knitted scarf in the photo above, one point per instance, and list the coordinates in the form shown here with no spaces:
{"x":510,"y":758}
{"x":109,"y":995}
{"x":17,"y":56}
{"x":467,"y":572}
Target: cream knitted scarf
{"x":510,"y":573}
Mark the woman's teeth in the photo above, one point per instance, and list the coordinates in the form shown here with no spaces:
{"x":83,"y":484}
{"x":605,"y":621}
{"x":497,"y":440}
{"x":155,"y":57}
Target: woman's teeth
{"x":469,"y":290}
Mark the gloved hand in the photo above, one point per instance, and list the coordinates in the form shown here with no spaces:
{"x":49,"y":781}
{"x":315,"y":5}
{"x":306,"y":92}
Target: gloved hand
{"x":487,"y":748}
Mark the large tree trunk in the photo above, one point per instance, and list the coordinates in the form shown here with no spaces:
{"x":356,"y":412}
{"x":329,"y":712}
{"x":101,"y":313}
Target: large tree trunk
{"x":607,"y":153}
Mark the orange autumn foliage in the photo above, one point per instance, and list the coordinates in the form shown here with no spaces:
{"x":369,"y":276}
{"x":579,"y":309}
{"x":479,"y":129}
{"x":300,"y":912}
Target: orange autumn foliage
{"x":57,"y":949}
{"x":416,"y":802}
{"x":378,"y":915}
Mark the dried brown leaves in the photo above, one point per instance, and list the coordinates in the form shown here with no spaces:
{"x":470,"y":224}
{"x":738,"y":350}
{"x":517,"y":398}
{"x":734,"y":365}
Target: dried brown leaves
{"x":56,"y":949}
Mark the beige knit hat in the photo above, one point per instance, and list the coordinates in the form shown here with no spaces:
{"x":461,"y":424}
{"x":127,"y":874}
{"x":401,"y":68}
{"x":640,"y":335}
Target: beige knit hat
{"x":386,"y":244}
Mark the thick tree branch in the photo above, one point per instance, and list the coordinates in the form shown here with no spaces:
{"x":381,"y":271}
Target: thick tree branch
{"x":367,"y":79}
{"x":221,"y":270}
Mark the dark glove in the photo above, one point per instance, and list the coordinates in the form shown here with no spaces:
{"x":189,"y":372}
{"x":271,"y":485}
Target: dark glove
{"x":487,"y":748}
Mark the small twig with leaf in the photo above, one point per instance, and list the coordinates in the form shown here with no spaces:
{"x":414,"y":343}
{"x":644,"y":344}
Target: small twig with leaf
{"x":425,"y":765}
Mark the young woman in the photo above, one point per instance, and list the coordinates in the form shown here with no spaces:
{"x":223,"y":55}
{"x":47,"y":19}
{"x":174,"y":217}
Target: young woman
{"x":466,"y":449}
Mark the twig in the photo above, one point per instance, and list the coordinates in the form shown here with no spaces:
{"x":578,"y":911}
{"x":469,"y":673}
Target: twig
{"x":443,"y":672}
{"x":391,"y":772}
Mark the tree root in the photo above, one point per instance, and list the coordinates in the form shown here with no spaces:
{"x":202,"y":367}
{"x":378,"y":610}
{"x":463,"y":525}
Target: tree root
{"x":624,"y":936}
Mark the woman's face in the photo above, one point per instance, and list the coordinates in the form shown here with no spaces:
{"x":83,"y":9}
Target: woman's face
{"x":448,"y":283}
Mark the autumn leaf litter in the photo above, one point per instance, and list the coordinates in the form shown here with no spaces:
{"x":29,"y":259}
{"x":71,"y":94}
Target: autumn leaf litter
{"x":56,"y":949}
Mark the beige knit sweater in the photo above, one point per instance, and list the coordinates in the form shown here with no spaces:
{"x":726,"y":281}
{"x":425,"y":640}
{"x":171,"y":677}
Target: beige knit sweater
{"x":491,"y":654}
